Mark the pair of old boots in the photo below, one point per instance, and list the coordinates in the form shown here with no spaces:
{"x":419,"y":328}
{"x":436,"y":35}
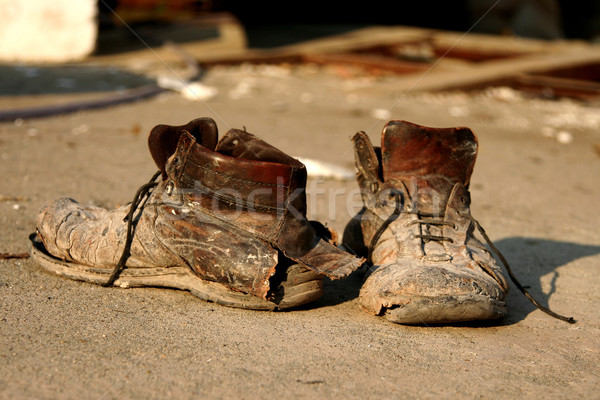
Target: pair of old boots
{"x":226,"y":220}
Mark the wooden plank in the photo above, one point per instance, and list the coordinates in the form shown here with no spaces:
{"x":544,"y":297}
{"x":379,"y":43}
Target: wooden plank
{"x":342,"y":43}
{"x":230,"y":42}
{"x":475,"y":47}
{"x":551,"y":86}
{"x":485,"y":43}
{"x":368,"y":62}
{"x":456,"y":61}
{"x":480,"y":74}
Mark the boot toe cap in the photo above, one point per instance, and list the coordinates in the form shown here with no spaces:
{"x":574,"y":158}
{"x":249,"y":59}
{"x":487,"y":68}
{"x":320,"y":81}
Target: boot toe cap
{"x":412,"y":293}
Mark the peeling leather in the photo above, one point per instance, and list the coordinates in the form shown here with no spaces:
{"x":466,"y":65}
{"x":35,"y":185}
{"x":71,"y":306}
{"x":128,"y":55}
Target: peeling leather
{"x":228,"y":210}
{"x":266,"y":198}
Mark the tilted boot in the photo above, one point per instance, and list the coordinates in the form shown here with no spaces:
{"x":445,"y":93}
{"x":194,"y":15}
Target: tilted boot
{"x":225,"y":220}
{"x":417,"y":230}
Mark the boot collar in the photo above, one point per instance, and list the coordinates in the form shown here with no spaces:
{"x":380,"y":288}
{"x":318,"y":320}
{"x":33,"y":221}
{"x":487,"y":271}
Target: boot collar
{"x":428,"y":161}
{"x":413,"y":150}
{"x":241,"y":169}
{"x":163,"y":139}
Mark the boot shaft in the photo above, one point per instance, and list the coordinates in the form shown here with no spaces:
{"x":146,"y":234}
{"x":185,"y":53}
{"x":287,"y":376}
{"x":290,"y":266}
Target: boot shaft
{"x":248,"y":184}
{"x":413,"y":150}
{"x":426,"y":162}
{"x":254,"y":195}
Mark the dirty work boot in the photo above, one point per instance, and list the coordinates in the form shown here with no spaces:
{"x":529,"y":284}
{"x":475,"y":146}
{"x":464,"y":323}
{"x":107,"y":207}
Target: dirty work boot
{"x":224,"y":219}
{"x":417,"y":231}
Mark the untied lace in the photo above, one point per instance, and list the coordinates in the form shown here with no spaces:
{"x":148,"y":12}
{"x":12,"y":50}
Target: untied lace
{"x":395,"y":194}
{"x":141,"y":196}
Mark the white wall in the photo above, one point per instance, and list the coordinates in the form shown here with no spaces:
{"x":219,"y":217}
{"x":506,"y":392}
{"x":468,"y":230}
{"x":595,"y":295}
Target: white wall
{"x":47,"y":31}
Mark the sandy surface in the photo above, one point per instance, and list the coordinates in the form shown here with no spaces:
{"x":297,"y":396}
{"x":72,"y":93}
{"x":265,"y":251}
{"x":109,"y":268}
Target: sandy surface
{"x":535,"y":189}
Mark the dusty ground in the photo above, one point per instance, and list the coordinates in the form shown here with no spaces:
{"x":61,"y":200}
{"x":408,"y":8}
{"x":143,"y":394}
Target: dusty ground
{"x":535,"y":189}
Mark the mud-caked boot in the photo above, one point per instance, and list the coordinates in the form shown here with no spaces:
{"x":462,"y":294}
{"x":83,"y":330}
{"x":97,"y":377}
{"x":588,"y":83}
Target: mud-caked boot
{"x":224,"y":219}
{"x":417,"y":230}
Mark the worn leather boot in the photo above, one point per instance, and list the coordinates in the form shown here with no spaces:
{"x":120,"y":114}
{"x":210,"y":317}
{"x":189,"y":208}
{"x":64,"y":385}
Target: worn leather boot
{"x":224,"y":219}
{"x":417,"y":230}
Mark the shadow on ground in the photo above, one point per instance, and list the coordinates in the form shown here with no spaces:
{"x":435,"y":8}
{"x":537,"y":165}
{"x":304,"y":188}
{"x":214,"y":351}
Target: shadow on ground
{"x":532,"y":258}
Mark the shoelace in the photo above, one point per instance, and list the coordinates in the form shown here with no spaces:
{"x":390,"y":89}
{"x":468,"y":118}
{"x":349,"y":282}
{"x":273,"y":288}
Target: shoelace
{"x":141,"y":196}
{"x":570,"y":320}
{"x":428,"y":220}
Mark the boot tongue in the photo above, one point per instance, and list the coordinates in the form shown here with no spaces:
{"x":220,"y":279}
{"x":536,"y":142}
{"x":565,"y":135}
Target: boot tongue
{"x":430,"y":161}
{"x":241,"y":144}
{"x":163,"y":139}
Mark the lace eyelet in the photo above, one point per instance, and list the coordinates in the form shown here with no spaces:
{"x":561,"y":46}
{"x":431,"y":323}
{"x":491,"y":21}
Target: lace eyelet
{"x":374,"y":187}
{"x":169,"y":188}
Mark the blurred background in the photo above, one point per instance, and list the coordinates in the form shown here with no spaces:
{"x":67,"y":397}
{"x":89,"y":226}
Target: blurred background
{"x":545,"y":19}
{"x":44,"y":44}
{"x":272,"y":23}
{"x":30,"y":25}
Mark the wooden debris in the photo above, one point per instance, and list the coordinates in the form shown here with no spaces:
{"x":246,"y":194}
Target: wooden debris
{"x":12,"y":256}
{"x":445,"y":60}
{"x":13,"y":198}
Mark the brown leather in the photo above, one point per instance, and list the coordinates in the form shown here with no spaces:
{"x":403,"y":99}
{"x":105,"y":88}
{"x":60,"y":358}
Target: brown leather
{"x":417,"y":229}
{"x":163,"y":139}
{"x":253,"y":186}
{"x":428,"y":161}
{"x":244,"y":145}
{"x":367,"y":163}
{"x":414,"y":150}
{"x":216,"y":251}
{"x":227,"y":222}
{"x":234,"y":180}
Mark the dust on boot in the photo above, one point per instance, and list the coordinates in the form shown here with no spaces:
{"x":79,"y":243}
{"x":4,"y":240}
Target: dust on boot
{"x":417,"y":230}
{"x":224,"y":219}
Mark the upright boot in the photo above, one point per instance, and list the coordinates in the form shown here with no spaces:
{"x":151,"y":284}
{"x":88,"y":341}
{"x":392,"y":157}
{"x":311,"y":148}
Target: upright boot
{"x":417,"y":230}
{"x":224,"y":219}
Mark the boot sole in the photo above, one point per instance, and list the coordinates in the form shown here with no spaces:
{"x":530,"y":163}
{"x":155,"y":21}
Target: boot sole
{"x":436,"y":310}
{"x":302,"y":285}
